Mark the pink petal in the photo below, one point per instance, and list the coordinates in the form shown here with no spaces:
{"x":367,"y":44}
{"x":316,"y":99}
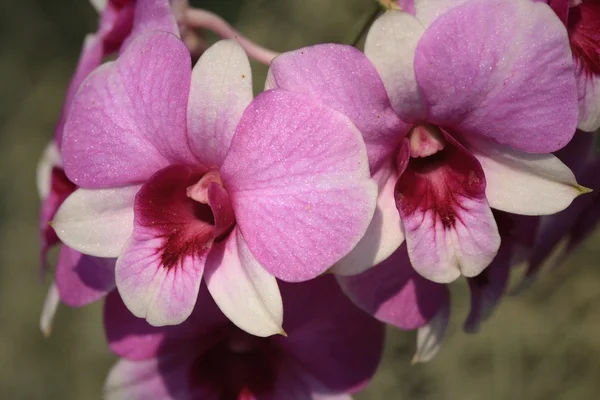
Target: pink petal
{"x":128,"y":118}
{"x":394,"y":293}
{"x":96,"y":222}
{"x":89,"y":59}
{"x":384,"y":234}
{"x":163,"y":295}
{"x":159,"y":273}
{"x":321,"y":321}
{"x":83,"y":279}
{"x":488,"y":288}
{"x":341,"y":77}
{"x":502,"y":70}
{"x":524,"y":183}
{"x":298,"y":177}
{"x":431,"y":336}
{"x":116,"y":24}
{"x":152,"y":15}
{"x":391,"y":45}
{"x":220,"y":91}
{"x":244,"y":291}
{"x":448,"y":224}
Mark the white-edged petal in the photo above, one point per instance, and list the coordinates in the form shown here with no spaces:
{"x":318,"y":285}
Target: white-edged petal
{"x":390,"y":45}
{"x":221,"y":88}
{"x":97,"y":222}
{"x":244,"y":291}
{"x":524,"y":183}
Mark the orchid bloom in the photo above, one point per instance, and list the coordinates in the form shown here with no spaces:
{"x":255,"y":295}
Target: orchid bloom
{"x":582,"y":19}
{"x":460,"y":106}
{"x":331,"y":349}
{"x":81,"y":279}
{"x":394,"y":293}
{"x":236,"y":191}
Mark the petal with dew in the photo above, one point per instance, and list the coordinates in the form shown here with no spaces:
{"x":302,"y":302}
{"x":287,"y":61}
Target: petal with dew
{"x":96,"y":222}
{"x":128,"y":119}
{"x":244,"y":291}
{"x":298,"y":176}
{"x":390,"y":45}
{"x":221,"y":89}
{"x":342,"y":78}
{"x":384,"y":234}
{"x":502,"y":70}
{"x":448,"y":225}
{"x":394,"y":293}
{"x":524,"y":183}
{"x":83,"y":279}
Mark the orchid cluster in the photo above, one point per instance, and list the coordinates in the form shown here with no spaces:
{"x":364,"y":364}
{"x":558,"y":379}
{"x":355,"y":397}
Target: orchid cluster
{"x":254,"y":247}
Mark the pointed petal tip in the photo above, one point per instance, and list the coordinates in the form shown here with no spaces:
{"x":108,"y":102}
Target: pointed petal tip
{"x":283,"y":333}
{"x":583,"y":190}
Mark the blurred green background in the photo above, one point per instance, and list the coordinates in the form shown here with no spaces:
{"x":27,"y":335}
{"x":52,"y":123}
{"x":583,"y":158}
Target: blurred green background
{"x":544,"y":344}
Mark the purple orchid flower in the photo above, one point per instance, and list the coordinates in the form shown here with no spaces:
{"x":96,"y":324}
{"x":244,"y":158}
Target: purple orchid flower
{"x":234,"y":191}
{"x":582,"y":19}
{"x":460,"y":106}
{"x":331,"y":349}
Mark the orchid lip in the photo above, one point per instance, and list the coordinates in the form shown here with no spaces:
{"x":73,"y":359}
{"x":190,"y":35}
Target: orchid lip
{"x":188,"y":207}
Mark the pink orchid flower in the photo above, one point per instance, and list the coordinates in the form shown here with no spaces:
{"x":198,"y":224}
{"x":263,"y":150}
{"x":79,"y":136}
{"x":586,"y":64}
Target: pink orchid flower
{"x":234,"y":191}
{"x":394,"y":293}
{"x":331,"y":349}
{"x":582,"y":19}
{"x":82,"y":279}
{"x":460,"y":106}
